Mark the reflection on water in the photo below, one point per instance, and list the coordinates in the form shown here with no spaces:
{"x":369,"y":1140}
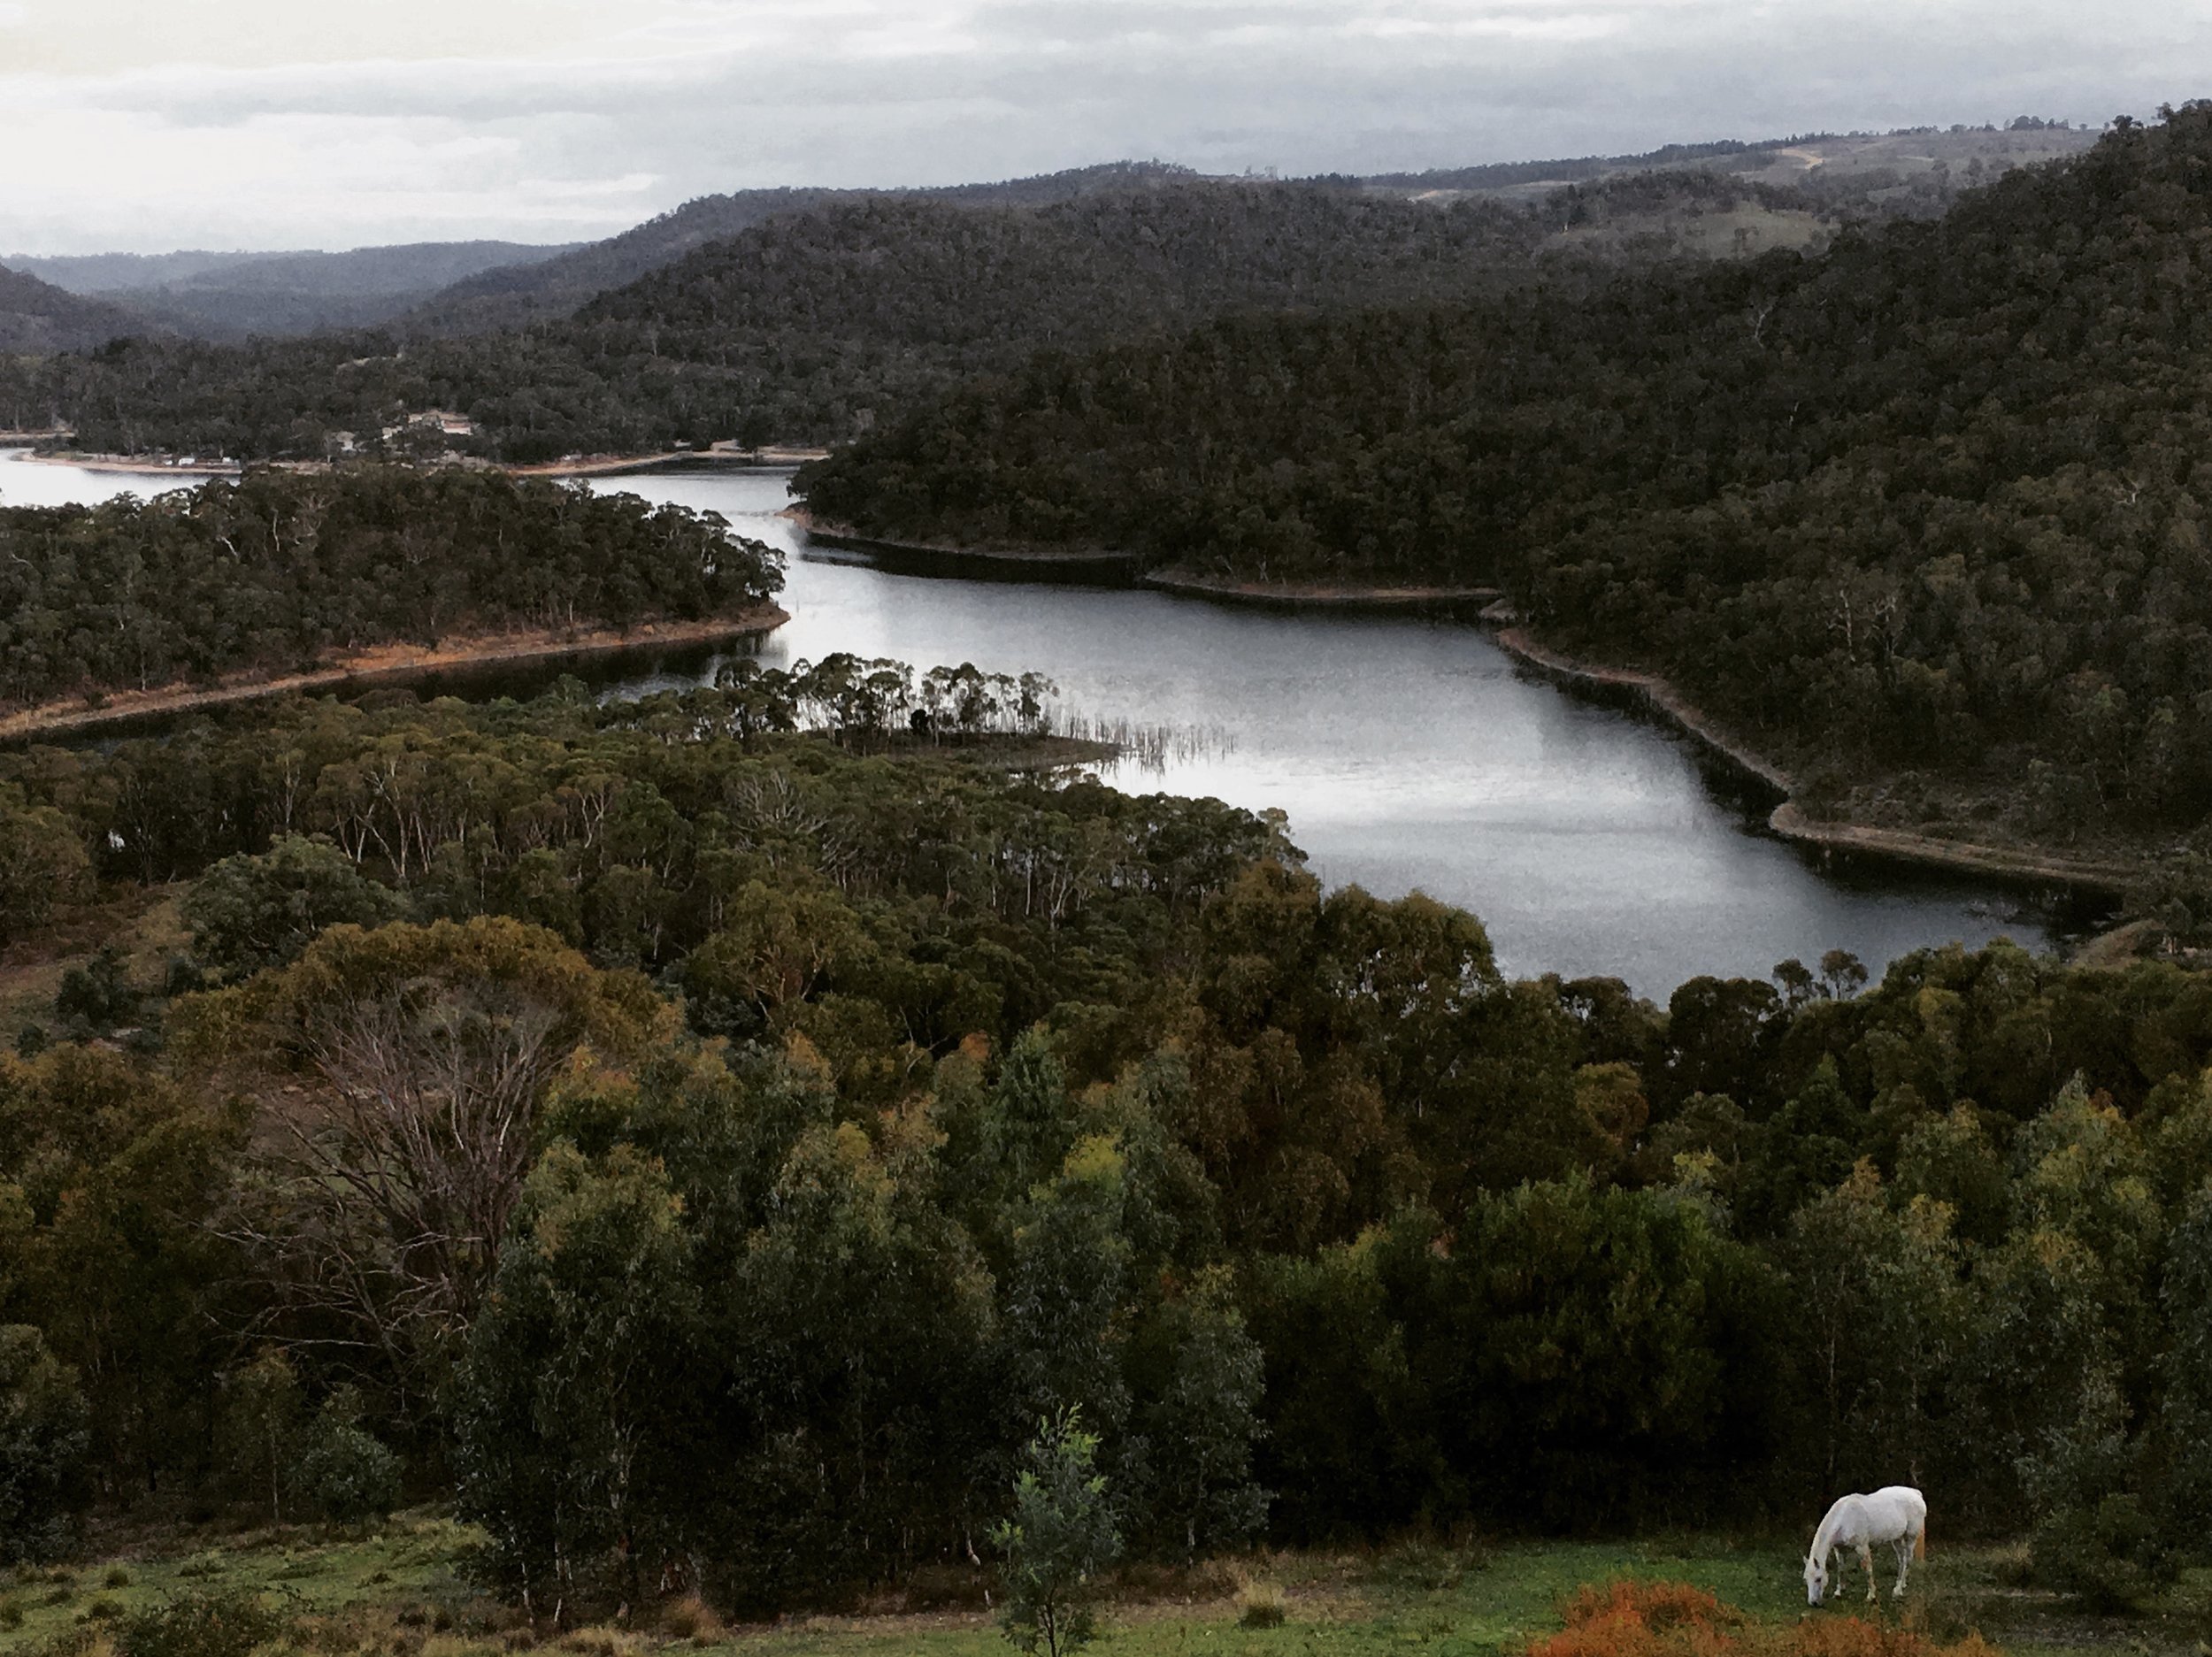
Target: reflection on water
{"x":1407,"y":754}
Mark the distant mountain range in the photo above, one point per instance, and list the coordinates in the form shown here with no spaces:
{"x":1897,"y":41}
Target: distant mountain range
{"x":1832,"y":164}
{"x":232,"y":295}
{"x":516,"y":295}
{"x":466,"y":288}
{"x":37,"y":316}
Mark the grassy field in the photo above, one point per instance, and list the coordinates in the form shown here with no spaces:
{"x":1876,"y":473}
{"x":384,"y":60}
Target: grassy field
{"x":400,"y":1590}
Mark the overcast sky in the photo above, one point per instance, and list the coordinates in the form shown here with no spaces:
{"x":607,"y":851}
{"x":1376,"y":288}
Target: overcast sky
{"x":305,"y":123}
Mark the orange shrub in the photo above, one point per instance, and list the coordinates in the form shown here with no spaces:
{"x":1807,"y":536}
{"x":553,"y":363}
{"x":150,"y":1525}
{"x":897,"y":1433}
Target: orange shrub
{"x":1642,"y":1619}
{"x":1673,"y":1619}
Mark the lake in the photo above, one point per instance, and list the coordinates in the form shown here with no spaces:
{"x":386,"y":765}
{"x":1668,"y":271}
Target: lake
{"x":1407,"y":753}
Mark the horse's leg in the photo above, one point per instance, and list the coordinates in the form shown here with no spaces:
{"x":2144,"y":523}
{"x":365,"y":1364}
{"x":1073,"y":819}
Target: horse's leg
{"x":1904,"y":1565}
{"x":1866,"y":1563}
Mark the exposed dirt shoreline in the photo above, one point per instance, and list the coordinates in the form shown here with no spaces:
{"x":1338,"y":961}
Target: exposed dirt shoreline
{"x":1319,"y":595}
{"x":1190,"y":583}
{"x":1788,"y":819}
{"x":844,"y":536}
{"x":385,"y":664}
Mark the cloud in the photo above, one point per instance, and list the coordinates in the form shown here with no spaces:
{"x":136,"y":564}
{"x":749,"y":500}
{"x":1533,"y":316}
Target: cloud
{"x":233,"y":121}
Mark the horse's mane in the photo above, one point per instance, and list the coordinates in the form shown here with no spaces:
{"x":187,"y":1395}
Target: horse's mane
{"x":1830,"y":1523}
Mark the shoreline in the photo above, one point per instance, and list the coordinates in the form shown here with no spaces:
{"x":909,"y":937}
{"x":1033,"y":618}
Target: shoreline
{"x":845,"y":538}
{"x":1315,"y":596}
{"x":1787,"y":820}
{"x":768,"y":459}
{"x":1655,"y":693}
{"x":1182,"y":583}
{"x":198,"y":470}
{"x":385,"y":664}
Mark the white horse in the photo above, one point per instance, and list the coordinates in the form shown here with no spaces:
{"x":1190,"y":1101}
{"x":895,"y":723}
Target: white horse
{"x":1895,"y":1514}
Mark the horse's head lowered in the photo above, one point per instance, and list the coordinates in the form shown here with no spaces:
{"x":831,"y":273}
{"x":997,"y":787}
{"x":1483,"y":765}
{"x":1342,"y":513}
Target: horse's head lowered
{"x":1816,"y":1578}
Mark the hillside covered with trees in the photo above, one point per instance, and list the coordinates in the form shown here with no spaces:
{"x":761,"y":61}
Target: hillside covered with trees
{"x":235,"y":295}
{"x":704,"y":1151}
{"x":37,"y":318}
{"x":1928,"y":507}
{"x":555,"y":289}
{"x":282,"y":571}
{"x":827,"y":317}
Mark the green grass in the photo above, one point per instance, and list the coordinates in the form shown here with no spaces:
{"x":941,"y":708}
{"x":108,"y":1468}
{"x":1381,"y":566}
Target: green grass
{"x":1409,"y":1599}
{"x":399,"y":1591}
{"x":414,"y":1559}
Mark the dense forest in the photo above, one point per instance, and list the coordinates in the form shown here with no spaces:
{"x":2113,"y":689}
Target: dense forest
{"x":1928,"y":507}
{"x":280,"y":571}
{"x":518,"y":298}
{"x":698,"y":1141}
{"x":816,"y":323}
{"x":814,"y":1110}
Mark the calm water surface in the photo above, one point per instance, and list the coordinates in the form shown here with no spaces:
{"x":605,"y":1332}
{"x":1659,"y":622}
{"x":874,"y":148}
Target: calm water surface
{"x":1409,"y":754}
{"x":27,"y":482}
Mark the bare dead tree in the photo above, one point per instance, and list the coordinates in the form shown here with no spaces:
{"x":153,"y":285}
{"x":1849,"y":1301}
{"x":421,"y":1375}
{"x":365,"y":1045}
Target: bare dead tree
{"x":388,"y":1177}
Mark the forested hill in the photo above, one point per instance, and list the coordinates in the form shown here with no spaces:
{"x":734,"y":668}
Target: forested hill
{"x":235,"y":295}
{"x":518,"y":295}
{"x":303,"y":292}
{"x":889,"y":278}
{"x":1932,"y":502}
{"x":1904,"y":171}
{"x":280,"y":572}
{"x":811,"y":326}
{"x":36,"y":315}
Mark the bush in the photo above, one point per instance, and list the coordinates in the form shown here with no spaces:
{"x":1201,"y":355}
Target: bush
{"x":2108,"y":1554}
{"x":208,"y":1623}
{"x":1262,"y":1606}
{"x":344,"y":1471}
{"x":96,"y":997}
{"x":1639,"y":1619}
{"x":42,"y":1445}
{"x":690,"y":1618}
{"x":249,"y":913}
{"x":1672,"y":1619}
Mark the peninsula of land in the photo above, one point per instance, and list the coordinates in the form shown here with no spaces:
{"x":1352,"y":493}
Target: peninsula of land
{"x":385,"y":664}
